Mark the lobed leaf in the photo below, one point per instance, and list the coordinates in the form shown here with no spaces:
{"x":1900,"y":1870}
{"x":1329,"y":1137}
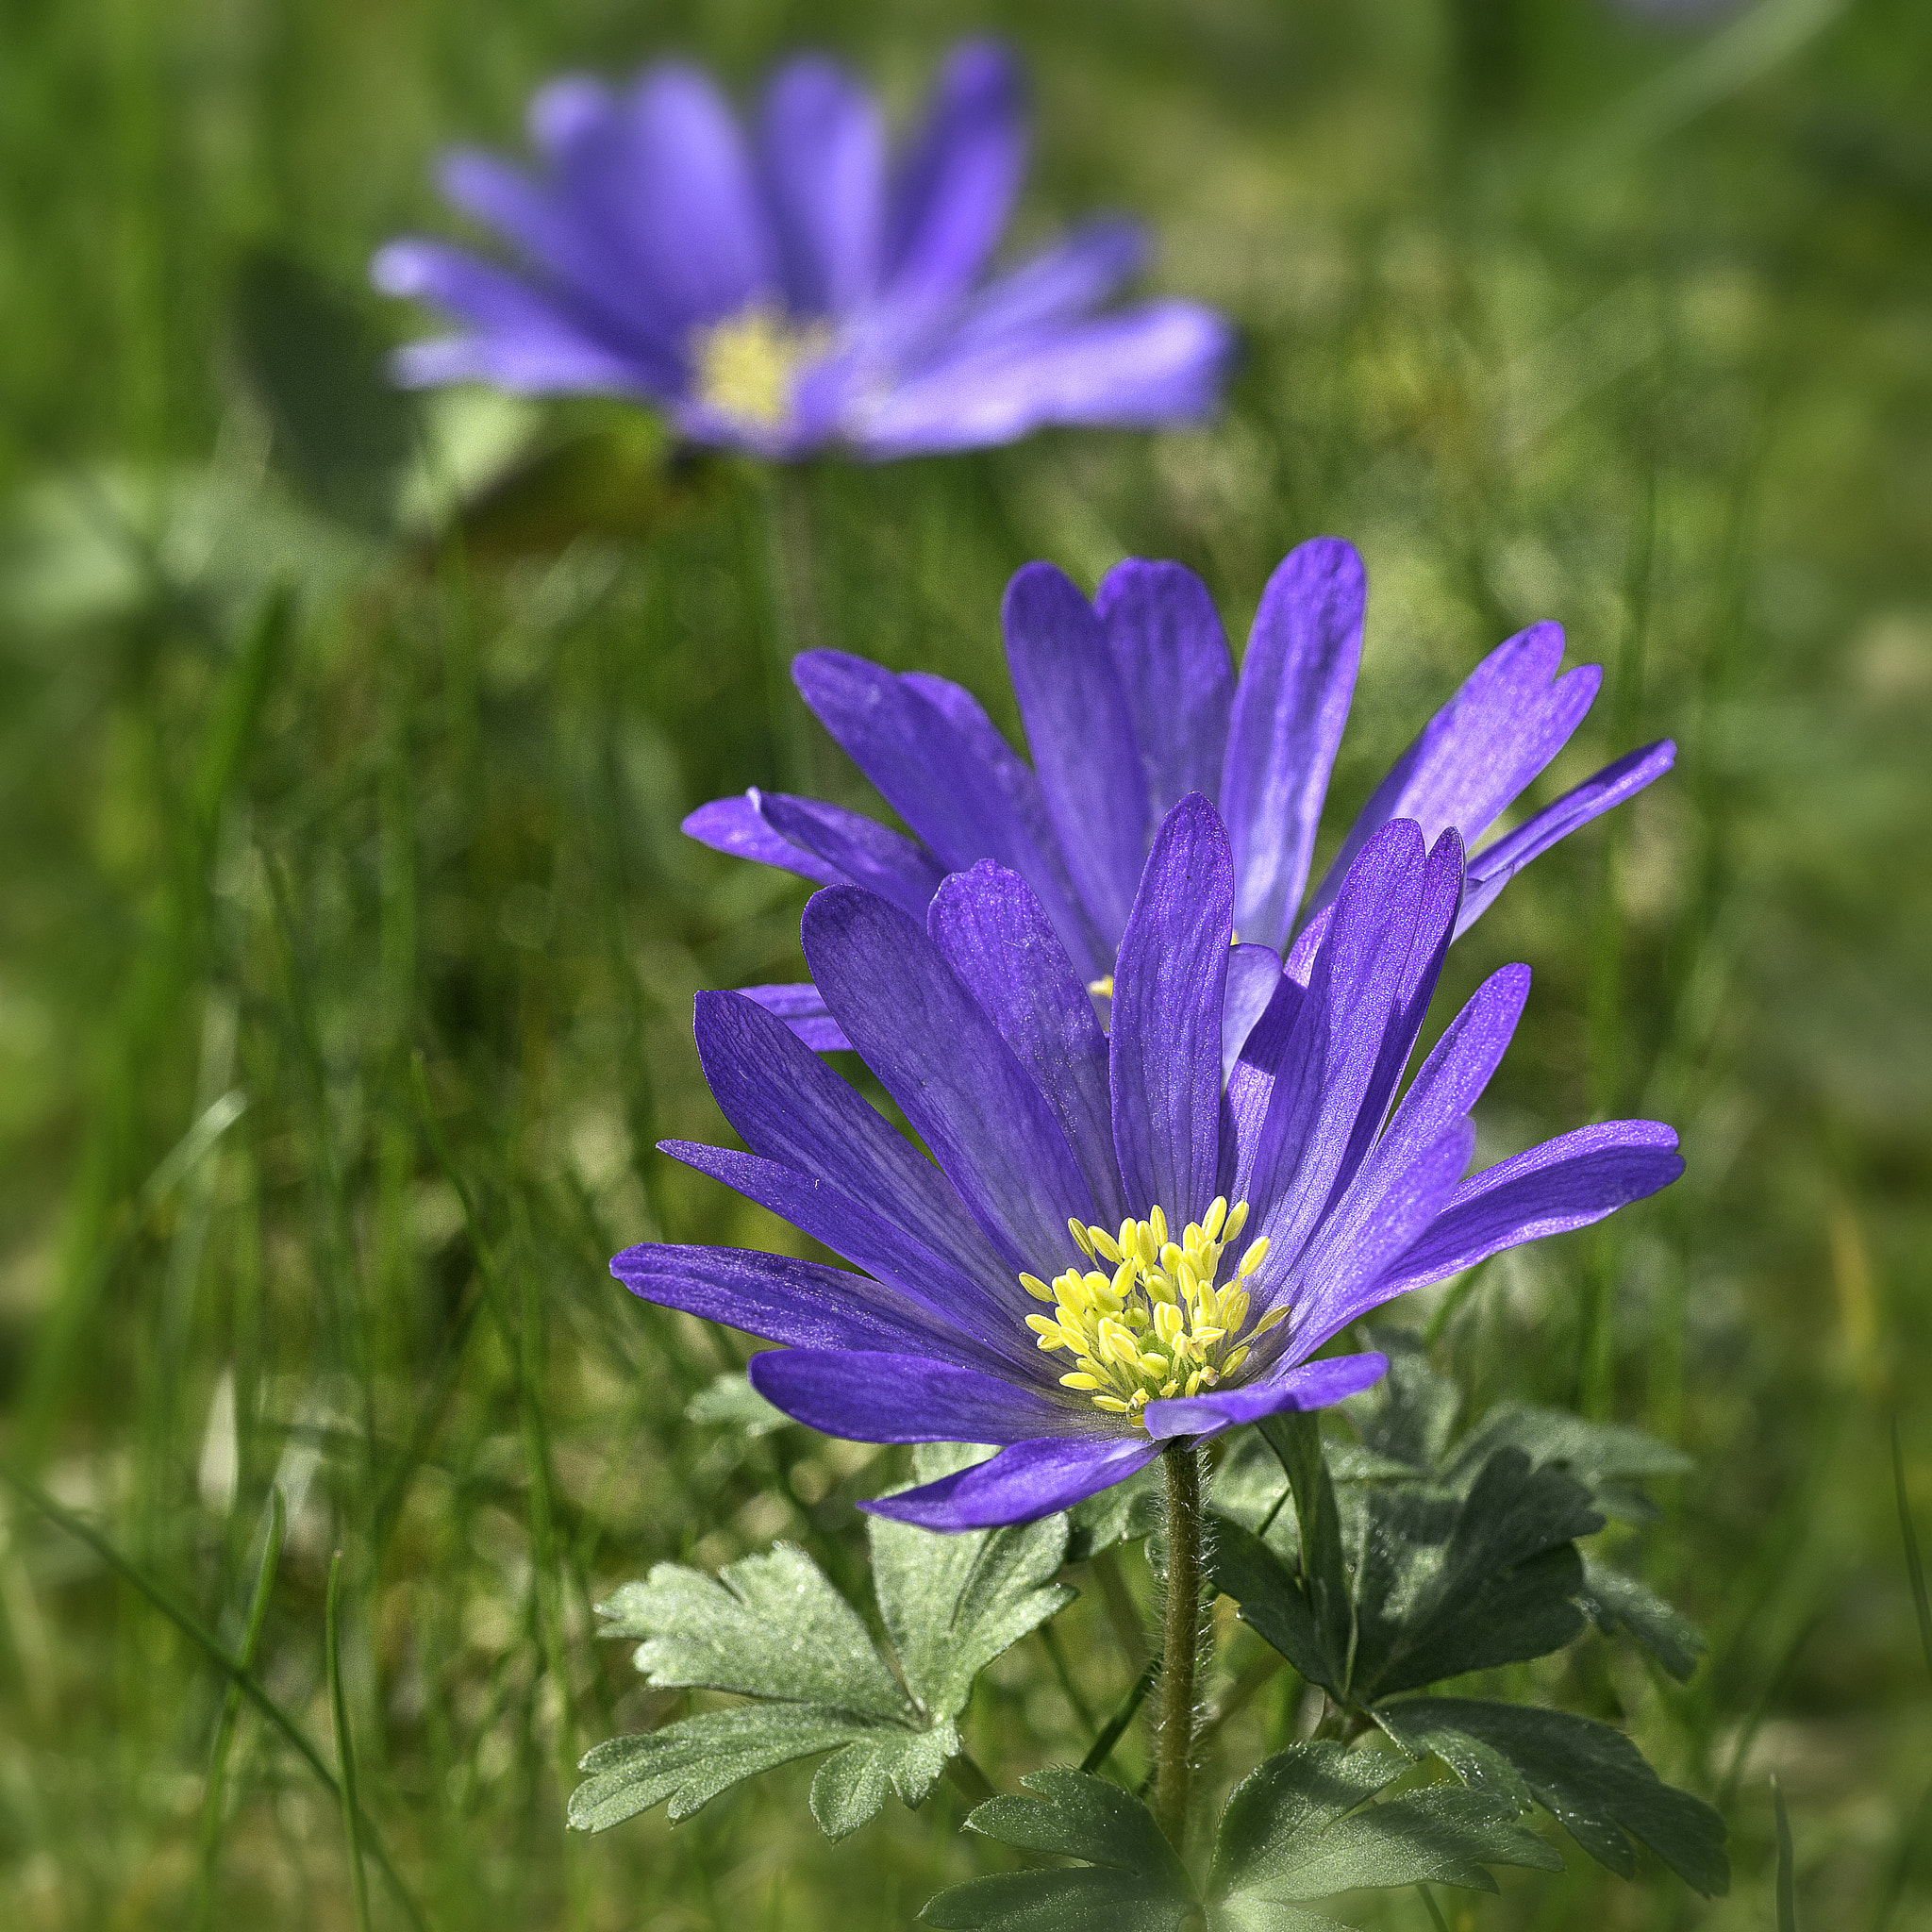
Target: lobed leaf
{"x":1304,"y":1826}
{"x":1590,"y":1778}
{"x":1617,"y":1604}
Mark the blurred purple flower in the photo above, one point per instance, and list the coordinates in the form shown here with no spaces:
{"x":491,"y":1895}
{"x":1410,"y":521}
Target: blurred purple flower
{"x":1067,"y":1278}
{"x":1129,"y":703}
{"x":793,"y":290}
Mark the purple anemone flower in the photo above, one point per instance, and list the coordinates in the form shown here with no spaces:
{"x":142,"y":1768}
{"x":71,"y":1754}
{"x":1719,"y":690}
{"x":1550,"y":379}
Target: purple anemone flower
{"x":796,"y":288}
{"x":1126,"y":1237}
{"x":1130,"y":702}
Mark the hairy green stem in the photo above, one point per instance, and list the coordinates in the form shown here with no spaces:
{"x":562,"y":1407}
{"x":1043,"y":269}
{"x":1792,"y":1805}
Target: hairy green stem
{"x":1182,"y":1645}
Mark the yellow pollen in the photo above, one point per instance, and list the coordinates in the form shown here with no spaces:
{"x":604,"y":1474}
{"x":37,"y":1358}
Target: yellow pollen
{"x":747,"y":364}
{"x":1156,"y":1325}
{"x":1102,"y":988}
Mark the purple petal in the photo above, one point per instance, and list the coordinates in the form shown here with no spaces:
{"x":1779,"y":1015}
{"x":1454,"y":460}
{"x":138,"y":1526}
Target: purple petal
{"x":666,"y":178}
{"x":1068,"y":279}
{"x":995,"y":937}
{"x":1461,"y":1064}
{"x":1288,"y":711}
{"x":938,"y":1056}
{"x":1174,"y":665}
{"x":961,"y":1319}
{"x":1022,"y":1483}
{"x":790,"y":1106}
{"x":883,"y":1397}
{"x":861,"y":850}
{"x":1344,"y":1272}
{"x":524,"y":340}
{"x":1313,"y":1385}
{"x":1493,"y":868}
{"x":801,"y":1303}
{"x":803,"y":1012}
{"x":1160,"y":363}
{"x":1328,"y":1065}
{"x":1565,"y":1183}
{"x":1091,"y":951}
{"x":1076,"y":719}
{"x":956,"y":188}
{"x":737,"y":827}
{"x":1164,"y":1045}
{"x":1253,"y":974}
{"x":821,"y":149}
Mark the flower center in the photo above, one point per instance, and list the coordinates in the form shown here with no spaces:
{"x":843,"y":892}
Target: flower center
{"x":1156,"y":1325}
{"x":746,"y":364}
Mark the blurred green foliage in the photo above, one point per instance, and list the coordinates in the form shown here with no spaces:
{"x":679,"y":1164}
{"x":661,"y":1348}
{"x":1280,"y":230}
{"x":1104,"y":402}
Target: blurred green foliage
{"x":348,"y":942}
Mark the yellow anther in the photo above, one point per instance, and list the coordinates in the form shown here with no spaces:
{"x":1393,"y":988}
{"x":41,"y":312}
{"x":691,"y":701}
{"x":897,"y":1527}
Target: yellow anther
{"x":1049,"y":1332}
{"x":1113,"y":1404}
{"x":1104,"y":1244}
{"x":1234,"y":1361}
{"x":1102,"y":988}
{"x":1158,"y":1220}
{"x":746,"y":365}
{"x":1081,"y":1240}
{"x":1206,"y":1338}
{"x":1036,"y":1287}
{"x":1211,"y":1222}
{"x":1154,"y":1364}
{"x":1277,"y":1313}
{"x":1167,"y":1321}
{"x":1237,"y":1219}
{"x":1257,"y":1253}
{"x":1193,"y":1383}
{"x":1123,"y":1278}
{"x":1079,"y":1379}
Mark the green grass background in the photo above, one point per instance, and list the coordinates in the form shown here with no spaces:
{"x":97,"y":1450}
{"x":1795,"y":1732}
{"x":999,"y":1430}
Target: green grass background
{"x":1553,"y":312}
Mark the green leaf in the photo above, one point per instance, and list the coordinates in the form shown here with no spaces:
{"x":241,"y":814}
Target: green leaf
{"x":340,"y":428}
{"x":1296,"y":1440}
{"x":691,"y":1762}
{"x":1304,"y":1826}
{"x":1122,"y":1514}
{"x":1406,"y":1418}
{"x":953,"y":1603}
{"x":733,"y":1402}
{"x":1590,"y":1778}
{"x":772,"y":1627}
{"x":1606,"y":1457}
{"x":1501,"y":1591}
{"x":1272,"y":1601}
{"x":1617,"y":1604}
{"x":765,"y":1627}
{"x":1132,"y":1881}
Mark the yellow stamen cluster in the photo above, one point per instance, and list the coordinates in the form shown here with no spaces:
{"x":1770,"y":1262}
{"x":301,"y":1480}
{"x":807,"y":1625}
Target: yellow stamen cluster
{"x":746,"y":364}
{"x":1156,"y":1325}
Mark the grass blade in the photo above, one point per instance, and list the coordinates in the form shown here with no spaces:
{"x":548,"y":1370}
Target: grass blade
{"x":1787,"y":1903}
{"x":237,"y":1671}
{"x":215,"y":1790}
{"x":345,"y":1744}
{"x":1915,"y":1570}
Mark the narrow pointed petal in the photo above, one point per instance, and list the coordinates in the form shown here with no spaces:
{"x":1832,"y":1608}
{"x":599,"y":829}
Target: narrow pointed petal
{"x":942,"y":1058}
{"x":1077,"y":722}
{"x":802,"y":1303}
{"x":966,"y":1321}
{"x":886,"y":1397}
{"x":860,"y":850}
{"x":1328,"y":1066}
{"x":1022,"y":1483}
{"x":995,"y":937}
{"x":1177,"y":672}
{"x":1165,"y":1040}
{"x":1565,"y":1183}
{"x":1161,"y":362}
{"x":799,"y":1004}
{"x":1290,"y":707}
{"x":1045,"y":871}
{"x":1064,"y":281}
{"x":1312,"y":1386}
{"x":1495,"y":865}
{"x":955,"y":190}
{"x":822,"y":152}
{"x":735,"y":826}
{"x":523,"y":339}
{"x":789,"y":1107}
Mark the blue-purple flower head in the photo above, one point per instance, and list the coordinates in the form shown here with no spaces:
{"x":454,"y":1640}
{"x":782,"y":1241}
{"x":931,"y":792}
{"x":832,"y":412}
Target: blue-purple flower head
{"x":1126,"y":1235}
{"x":799,"y":286}
{"x":1131,"y":702}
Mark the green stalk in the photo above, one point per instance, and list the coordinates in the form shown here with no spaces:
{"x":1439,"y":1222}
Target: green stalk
{"x":1181,"y":1648}
{"x":345,"y":1747}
